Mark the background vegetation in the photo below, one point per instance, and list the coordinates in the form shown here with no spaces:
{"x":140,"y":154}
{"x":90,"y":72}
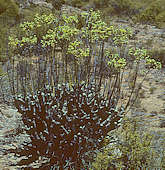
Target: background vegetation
{"x":9,"y":14}
{"x":132,"y":151}
{"x":145,"y":11}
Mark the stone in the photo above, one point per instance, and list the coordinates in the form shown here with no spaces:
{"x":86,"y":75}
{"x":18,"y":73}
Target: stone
{"x":142,"y":93}
{"x":137,"y":114}
{"x":162,"y":97}
{"x":163,"y":35}
{"x":70,"y":10}
{"x":152,"y":89}
{"x":9,"y":112}
{"x":162,"y":124}
{"x":27,"y":3}
{"x":161,"y":116}
{"x":42,"y":3}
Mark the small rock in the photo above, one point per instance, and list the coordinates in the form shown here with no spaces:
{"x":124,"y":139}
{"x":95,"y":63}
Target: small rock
{"x":163,"y":105}
{"x":152,"y":89}
{"x":161,"y":116}
{"x":142,"y":93}
{"x":162,"y":82}
{"x":162,"y":124}
{"x":122,"y":21}
{"x":152,"y":114}
{"x":42,"y":3}
{"x":9,"y":113}
{"x":162,"y":97}
{"x":163,"y":35}
{"x":137,"y":113}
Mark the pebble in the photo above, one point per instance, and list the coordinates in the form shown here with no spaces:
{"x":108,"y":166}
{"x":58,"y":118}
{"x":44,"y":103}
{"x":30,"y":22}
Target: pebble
{"x":162,"y":124}
{"x":139,"y":113}
{"x":162,"y":97}
{"x":161,"y":116}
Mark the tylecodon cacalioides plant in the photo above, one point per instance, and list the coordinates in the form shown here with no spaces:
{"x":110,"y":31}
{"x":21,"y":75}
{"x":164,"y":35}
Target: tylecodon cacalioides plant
{"x":76,"y":105}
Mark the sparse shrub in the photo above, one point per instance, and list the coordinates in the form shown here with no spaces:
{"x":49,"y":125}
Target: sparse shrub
{"x":27,"y":14}
{"x":151,"y":12}
{"x":9,"y":8}
{"x":9,"y":14}
{"x":132,"y":150}
{"x":3,"y":40}
{"x":160,"y":19}
{"x":124,"y":7}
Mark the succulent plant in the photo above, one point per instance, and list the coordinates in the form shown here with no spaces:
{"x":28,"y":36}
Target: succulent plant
{"x":65,"y":123}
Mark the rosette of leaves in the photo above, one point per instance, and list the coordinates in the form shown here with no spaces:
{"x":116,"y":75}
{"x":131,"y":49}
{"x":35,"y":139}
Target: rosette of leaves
{"x":65,"y":124}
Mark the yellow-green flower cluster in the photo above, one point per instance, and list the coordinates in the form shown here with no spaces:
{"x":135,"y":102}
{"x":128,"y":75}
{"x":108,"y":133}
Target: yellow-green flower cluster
{"x":50,"y":31}
{"x":44,"y":19}
{"x":70,"y":19}
{"x":38,"y":21}
{"x":14,"y":42}
{"x":121,"y":35}
{"x":49,"y":39}
{"x":30,"y":40}
{"x":66,"y":32}
{"x":76,"y":50}
{"x":153,"y":63}
{"x":31,"y":34}
{"x":95,"y":28}
{"x":141,"y":54}
{"x":100,"y":31}
{"x":116,"y":61}
{"x":27,"y":26}
{"x":93,"y":16}
{"x":137,"y":53}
